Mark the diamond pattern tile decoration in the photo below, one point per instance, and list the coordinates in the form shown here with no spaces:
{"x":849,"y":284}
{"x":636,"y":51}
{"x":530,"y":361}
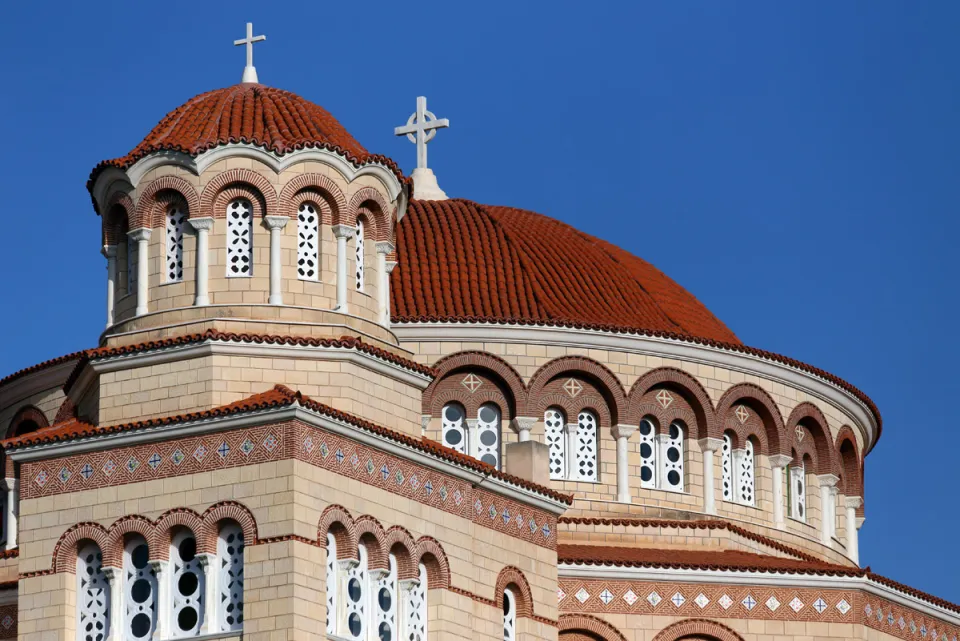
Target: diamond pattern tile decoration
{"x":867,"y":609}
{"x":572,"y":387}
{"x":582,"y":595}
{"x":773,"y":603}
{"x":109,"y":467}
{"x":443,"y":493}
{"x":86,"y":471}
{"x":355,"y":461}
{"x":457,"y":497}
{"x":132,"y":464}
{"x":247,"y":446}
{"x":664,"y":398}
{"x":654,"y":599}
{"x":308,"y":444}
{"x":339,"y":456}
{"x":399,"y":477}
{"x":370,"y":467}
{"x":223,"y":450}
{"x":471,"y":382}
{"x":725,"y":602}
{"x":742,"y":414}
{"x":505,"y":516}
{"x":533,"y":526}
{"x":41,"y":478}
{"x":820,"y":605}
{"x":844,"y":607}
{"x":7,"y":622}
{"x":493,"y":511}
{"x":678,"y":599}
{"x":796,"y":604}
{"x":200,"y":452}
{"x":519,"y":521}
{"x":427,"y":487}
{"x":324,"y":449}
{"x":545,"y":530}
{"x":155,"y":460}
{"x":606,"y":596}
{"x":64,"y":475}
{"x":561,"y":595}
{"x":702,"y":600}
{"x":478,"y":506}
{"x":630,"y":597}
{"x":414,"y":482}
{"x":384,"y":470}
{"x":749,"y":602}
{"x":271,"y":442}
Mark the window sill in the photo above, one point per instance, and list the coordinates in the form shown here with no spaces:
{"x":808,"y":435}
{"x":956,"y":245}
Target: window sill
{"x":172,"y":282}
{"x":665,"y":489}
{"x":212,"y":635}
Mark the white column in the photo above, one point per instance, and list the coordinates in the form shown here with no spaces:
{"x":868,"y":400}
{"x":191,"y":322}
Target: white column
{"x":165,"y":593}
{"x":110,"y":253}
{"x":208,"y":565}
{"x":276,"y":225}
{"x":827,"y":514}
{"x":203,"y":227}
{"x":343,"y":234}
{"x":708,"y":446}
{"x":472,"y":448}
{"x":851,"y":504}
{"x":383,"y":291}
{"x":523,"y":425}
{"x":777,"y":463}
{"x":142,"y":236}
{"x":12,"y":507}
{"x":114,"y":579}
{"x":622,"y":434}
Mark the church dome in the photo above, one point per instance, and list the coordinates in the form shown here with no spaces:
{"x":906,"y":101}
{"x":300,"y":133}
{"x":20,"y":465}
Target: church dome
{"x":459,"y":260}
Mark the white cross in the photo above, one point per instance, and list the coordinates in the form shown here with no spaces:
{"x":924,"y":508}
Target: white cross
{"x":420,"y":129}
{"x":249,"y":72}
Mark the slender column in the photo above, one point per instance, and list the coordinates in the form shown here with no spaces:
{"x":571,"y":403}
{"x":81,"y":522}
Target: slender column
{"x":276,"y":225}
{"x":343,"y":234}
{"x":163,"y":598}
{"x":523,"y":425}
{"x":622,"y":433}
{"x":709,"y":446}
{"x":203,"y":227}
{"x":115,"y":625}
{"x":851,"y":504}
{"x":827,"y":516}
{"x":110,"y":253}
{"x":777,"y":463}
{"x":472,"y":448}
{"x":208,"y":564}
{"x":383,"y":291}
{"x":142,"y":236}
{"x":12,"y":512}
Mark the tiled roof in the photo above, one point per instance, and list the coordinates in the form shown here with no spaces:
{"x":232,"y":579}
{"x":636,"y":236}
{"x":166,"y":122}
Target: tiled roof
{"x":278,"y":396}
{"x":276,"y":120}
{"x":462,"y":260}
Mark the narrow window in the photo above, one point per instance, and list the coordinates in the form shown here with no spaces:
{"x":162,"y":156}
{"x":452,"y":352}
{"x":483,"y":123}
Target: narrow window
{"x":355,"y":602}
{"x":308,"y":242}
{"x":726,"y":466}
{"x":554,"y":423}
{"x":239,"y":238}
{"x":385,"y":604}
{"x":230,"y":579}
{"x":175,"y":218}
{"x":188,"y":587}
{"x":671,"y":477}
{"x":745,"y":473}
{"x":454,"y":427}
{"x":586,"y":446}
{"x":797,"y":492}
{"x":93,"y":595}
{"x":360,"y":255}
{"x":648,"y":454}
{"x":139,"y":591}
{"x":509,"y":616}
{"x":332,"y":582}
{"x":133,"y":251}
{"x":416,"y":609}
{"x":488,"y":435}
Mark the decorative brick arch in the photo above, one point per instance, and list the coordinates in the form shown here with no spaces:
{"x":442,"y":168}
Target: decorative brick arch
{"x":684,"y":384}
{"x":602,"y":377}
{"x":228,"y":511}
{"x":68,"y":410}
{"x":757,"y":399}
{"x":573,"y":406}
{"x":379,"y":214}
{"x":589,"y":627}
{"x":508,"y":576}
{"x":27,"y":413}
{"x":313,"y":183}
{"x":399,"y":542}
{"x":478,"y":360}
{"x":178,"y":517}
{"x":133,"y":524}
{"x":849,"y":461}
{"x":429,"y":552}
{"x":819,"y":429}
{"x":237,"y":183}
{"x":151,"y":206}
{"x":65,"y":551}
{"x":336,"y":520}
{"x":371,"y":535}
{"x":697,"y":628}
{"x":112,"y":222}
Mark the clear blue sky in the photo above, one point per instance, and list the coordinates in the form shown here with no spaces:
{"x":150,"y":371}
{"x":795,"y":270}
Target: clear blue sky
{"x":792,"y":164}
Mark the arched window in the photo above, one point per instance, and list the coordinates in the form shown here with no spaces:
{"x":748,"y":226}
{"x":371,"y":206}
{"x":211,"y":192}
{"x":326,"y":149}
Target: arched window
{"x":745,"y":473}
{"x":174,"y":271}
{"x":671,"y":459}
{"x":509,"y":615}
{"x":187,"y":585}
{"x":415,"y":613}
{"x":455,"y":427}
{"x":488,"y":435}
{"x":332,"y":584}
{"x":359,"y":254}
{"x":308,"y":242}
{"x":230,"y":577}
{"x":648,"y":454}
{"x":93,"y":595}
{"x":726,"y":466}
{"x":586,"y":446}
{"x":139,"y":591}
{"x":796,"y":491}
{"x":355,"y":610}
{"x":239,"y":238}
{"x":384,"y":597}
{"x":555,"y":430}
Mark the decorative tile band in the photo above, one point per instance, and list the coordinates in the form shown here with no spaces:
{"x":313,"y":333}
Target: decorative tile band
{"x":8,"y":621}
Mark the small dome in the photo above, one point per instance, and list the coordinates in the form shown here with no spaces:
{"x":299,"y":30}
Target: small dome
{"x":459,"y":260}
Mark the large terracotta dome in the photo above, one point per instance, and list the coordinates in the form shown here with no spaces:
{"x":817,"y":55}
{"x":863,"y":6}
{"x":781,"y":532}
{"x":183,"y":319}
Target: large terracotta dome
{"x":461,"y":260}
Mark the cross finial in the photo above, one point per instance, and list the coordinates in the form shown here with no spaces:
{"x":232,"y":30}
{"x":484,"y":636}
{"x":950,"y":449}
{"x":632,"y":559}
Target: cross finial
{"x":420,"y":129}
{"x":249,"y":72}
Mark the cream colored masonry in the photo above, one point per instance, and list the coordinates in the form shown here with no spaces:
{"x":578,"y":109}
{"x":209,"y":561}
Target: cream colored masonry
{"x":527,"y":349}
{"x":284,"y":581}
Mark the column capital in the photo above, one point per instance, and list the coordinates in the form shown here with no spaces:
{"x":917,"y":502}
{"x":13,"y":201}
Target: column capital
{"x":346,"y":565}
{"x":408,"y":584}
{"x":389,"y":265}
{"x":158,"y":567}
{"x":523,"y":423}
{"x":344,"y":231}
{"x":385,"y":247}
{"x":205,"y":560}
{"x":778,"y":461}
{"x":828,"y":480}
{"x":710,"y":444}
{"x":111,"y":574}
{"x":425,"y":422}
{"x":860,"y":521}
{"x":622,"y":430}
{"x":201,"y":224}
{"x":141,"y":233}
{"x":276,"y":222}
{"x":11,"y":485}
{"x":852,"y":502}
{"x":109,"y":251}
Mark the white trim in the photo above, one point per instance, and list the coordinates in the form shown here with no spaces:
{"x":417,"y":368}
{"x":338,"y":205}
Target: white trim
{"x":652,"y":346}
{"x":772,"y":579}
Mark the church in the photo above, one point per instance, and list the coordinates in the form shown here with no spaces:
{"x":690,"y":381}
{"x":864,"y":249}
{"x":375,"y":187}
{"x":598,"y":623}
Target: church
{"x":331,"y":402}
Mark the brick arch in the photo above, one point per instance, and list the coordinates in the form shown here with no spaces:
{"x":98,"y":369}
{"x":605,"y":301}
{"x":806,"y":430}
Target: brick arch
{"x":508,"y":576}
{"x":150,"y":205}
{"x":849,"y":462}
{"x":317,"y":183}
{"x":115,"y":224}
{"x":178,"y":517}
{"x":471,"y":402}
{"x":228,"y":511}
{"x":239,"y":190}
{"x":429,"y":552}
{"x":573,"y":406}
{"x":215,"y":188}
{"x":122,"y":200}
{"x":589,"y":627}
{"x":319,"y":199}
{"x":758,"y":400}
{"x":399,"y":542}
{"x":819,"y":429}
{"x":68,"y":410}
{"x":379,"y":215}
{"x":65,"y":551}
{"x":371,"y":535}
{"x":480,"y":360}
{"x":684,"y":384}
{"x":26,"y":413}
{"x":132,"y":524}
{"x":600,"y":376}
{"x":337,"y":521}
{"x":697,"y":628}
